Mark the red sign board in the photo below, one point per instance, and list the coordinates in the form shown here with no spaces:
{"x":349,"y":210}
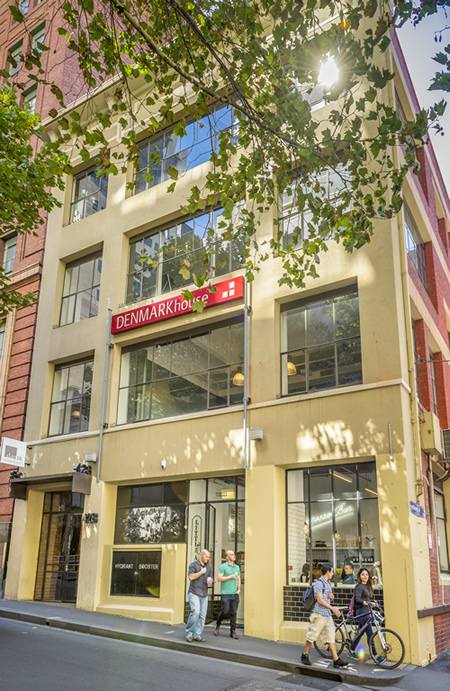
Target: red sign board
{"x":227,"y":291}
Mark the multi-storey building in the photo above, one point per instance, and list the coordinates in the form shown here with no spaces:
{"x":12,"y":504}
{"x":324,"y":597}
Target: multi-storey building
{"x":21,"y":255}
{"x":292,"y":426}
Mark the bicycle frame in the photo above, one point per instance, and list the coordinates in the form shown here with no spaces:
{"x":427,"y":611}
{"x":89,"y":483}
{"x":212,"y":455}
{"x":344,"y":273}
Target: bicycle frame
{"x":375,"y":620}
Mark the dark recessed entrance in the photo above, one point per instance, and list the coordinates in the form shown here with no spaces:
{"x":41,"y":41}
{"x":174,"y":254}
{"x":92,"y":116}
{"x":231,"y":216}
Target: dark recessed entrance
{"x":59,"y":548}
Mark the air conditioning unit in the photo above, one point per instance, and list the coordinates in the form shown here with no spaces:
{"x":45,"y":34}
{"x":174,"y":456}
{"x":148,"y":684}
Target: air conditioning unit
{"x":446,"y":444}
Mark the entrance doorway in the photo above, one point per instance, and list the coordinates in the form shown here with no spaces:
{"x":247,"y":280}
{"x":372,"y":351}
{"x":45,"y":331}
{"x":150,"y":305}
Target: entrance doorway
{"x":59,"y":548}
{"x":216,"y":522}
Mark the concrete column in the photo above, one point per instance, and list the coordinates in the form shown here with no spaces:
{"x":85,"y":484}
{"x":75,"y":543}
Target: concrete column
{"x":24,"y":550}
{"x":265,"y":551}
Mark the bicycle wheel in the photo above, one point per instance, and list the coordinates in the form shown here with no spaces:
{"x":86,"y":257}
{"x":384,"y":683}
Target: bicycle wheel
{"x":387,"y":649}
{"x":323,"y":648}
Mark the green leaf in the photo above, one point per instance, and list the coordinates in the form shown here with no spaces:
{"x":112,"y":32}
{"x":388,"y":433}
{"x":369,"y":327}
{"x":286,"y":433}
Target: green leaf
{"x":173,"y":172}
{"x":16,"y":14}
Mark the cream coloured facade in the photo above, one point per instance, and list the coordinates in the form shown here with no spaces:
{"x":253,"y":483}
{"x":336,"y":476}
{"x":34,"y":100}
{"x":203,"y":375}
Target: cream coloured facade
{"x":288,"y":505}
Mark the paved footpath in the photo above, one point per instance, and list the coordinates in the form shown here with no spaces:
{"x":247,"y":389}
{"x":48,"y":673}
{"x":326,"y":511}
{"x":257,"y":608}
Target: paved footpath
{"x":247,"y":650}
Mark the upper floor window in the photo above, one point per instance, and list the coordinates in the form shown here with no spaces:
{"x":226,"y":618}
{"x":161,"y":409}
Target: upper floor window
{"x":182,"y":376}
{"x":81,"y":291}
{"x":2,"y":336}
{"x":24,"y":5}
{"x":9,"y":253}
{"x":14,"y":58}
{"x":29,"y":99}
{"x":170,"y":150}
{"x":415,"y":246}
{"x":433,"y":384}
{"x":71,"y":398}
{"x":182,"y":242}
{"x":294,"y":224}
{"x":321,"y":344}
{"x":88,"y":195}
{"x":37,"y":38}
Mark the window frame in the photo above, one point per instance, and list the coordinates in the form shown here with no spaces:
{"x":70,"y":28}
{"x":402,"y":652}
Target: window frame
{"x":441,"y":520}
{"x":74,"y":294}
{"x":38,"y":36}
{"x":161,"y":138}
{"x":12,"y":238}
{"x":161,"y":285}
{"x":76,"y":200}
{"x":67,"y":401}
{"x":415,"y":246}
{"x":15,"y":52}
{"x":287,"y":354}
{"x":27,"y":100}
{"x":145,"y":397}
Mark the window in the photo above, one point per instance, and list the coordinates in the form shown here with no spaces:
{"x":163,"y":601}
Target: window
{"x":14,"y":57}
{"x":37,"y":38}
{"x":136,"y":574}
{"x":433,"y":384}
{"x":294,"y":224}
{"x":441,"y":529}
{"x":415,"y":247}
{"x":151,"y":513}
{"x":71,"y":398}
{"x":23,"y":6}
{"x":168,"y":149}
{"x":182,"y":376}
{"x":29,"y":99}
{"x":9,"y":254}
{"x":2,"y":336}
{"x":171,"y":247}
{"x":81,"y":290}
{"x":332,"y":516}
{"x":321,"y":345}
{"x":89,"y":194}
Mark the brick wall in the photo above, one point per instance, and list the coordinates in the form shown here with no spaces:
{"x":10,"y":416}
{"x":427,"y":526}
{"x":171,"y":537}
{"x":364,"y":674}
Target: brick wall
{"x":293,"y":609}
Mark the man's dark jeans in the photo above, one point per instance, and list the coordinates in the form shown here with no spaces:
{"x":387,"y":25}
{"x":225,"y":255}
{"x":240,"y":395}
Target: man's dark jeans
{"x":230,"y":604}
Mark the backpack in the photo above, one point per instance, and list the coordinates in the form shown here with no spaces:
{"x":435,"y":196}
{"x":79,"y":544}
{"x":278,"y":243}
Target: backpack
{"x":309,"y":599}
{"x":351,"y":608}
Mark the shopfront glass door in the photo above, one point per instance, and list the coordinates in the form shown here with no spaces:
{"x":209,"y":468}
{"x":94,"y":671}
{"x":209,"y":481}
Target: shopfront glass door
{"x":59,"y":549}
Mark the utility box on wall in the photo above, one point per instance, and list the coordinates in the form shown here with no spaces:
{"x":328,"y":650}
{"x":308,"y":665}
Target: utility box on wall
{"x":430,"y":433}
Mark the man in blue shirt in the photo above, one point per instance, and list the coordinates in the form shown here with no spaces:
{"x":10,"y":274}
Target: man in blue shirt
{"x":321,"y":621}
{"x":200,"y":576}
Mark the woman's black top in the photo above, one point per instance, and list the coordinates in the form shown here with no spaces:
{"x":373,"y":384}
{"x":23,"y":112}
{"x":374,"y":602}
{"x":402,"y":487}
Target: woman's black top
{"x":362,"y":594}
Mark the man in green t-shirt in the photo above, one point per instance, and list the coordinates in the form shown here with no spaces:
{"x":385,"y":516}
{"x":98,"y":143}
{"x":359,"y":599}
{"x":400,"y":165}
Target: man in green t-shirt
{"x":230,"y":579}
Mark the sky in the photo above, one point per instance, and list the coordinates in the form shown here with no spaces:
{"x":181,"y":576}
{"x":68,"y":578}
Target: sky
{"x":419,"y":47}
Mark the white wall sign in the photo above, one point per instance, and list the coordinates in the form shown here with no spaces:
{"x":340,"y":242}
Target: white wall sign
{"x":13,"y":452}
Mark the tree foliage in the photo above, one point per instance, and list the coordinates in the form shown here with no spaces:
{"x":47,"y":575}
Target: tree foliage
{"x":331,"y":171}
{"x":26,"y":177}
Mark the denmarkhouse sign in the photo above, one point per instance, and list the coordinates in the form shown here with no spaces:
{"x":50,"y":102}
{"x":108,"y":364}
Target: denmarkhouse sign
{"x":227,"y":291}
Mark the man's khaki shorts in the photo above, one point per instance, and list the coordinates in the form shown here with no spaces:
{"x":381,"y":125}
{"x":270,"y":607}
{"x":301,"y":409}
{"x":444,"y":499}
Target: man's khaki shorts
{"x":322,"y":628}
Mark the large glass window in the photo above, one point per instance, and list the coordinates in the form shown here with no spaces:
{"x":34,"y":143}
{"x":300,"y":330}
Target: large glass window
{"x":181,"y":244}
{"x":151,"y":513}
{"x":9,"y":253}
{"x":441,"y":529}
{"x":332,"y":517}
{"x":71,"y":398}
{"x":89,"y":194}
{"x":294,"y":223}
{"x":169,"y":150}
{"x":182,"y":376}
{"x":415,"y":247}
{"x":321,"y":344}
{"x":81,"y":290}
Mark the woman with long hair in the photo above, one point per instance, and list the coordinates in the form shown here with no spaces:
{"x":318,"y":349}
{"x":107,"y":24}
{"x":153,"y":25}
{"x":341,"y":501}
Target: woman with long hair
{"x":363,"y":596}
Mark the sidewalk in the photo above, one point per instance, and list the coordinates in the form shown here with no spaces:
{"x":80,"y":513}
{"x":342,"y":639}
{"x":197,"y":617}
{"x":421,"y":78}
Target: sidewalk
{"x":251,"y":651}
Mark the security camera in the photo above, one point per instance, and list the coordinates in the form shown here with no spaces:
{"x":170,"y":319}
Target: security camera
{"x":163,"y":464}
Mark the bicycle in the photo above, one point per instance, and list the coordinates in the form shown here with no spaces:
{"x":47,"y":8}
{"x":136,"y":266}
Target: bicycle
{"x":386,"y":648}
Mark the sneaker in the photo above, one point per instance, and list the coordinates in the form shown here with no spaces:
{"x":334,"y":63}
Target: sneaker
{"x":353,"y":655}
{"x":305,"y":660}
{"x":340,"y":663}
{"x":380,"y":659}
{"x":189,"y":638}
{"x":199,"y":639}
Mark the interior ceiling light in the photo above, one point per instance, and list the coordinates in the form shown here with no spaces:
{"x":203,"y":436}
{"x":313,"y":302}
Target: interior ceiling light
{"x":238,"y":379}
{"x":341,"y":477}
{"x":291,"y":369}
{"x":366,"y":489}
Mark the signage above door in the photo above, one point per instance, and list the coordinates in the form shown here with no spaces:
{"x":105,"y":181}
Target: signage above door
{"x":226,"y":291}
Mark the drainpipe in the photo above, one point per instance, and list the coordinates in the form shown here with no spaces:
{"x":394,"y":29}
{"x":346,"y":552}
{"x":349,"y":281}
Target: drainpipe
{"x":245,"y":428}
{"x":105,"y":376}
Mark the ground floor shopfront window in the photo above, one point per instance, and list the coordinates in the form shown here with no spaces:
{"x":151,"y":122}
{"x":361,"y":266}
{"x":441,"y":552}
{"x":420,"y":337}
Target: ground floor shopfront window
{"x":332,"y":517}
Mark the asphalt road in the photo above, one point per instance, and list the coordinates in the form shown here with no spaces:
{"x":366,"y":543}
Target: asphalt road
{"x":37,"y":658}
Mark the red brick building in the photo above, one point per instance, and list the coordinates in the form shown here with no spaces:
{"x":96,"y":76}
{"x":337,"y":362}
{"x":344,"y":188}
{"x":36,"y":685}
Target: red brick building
{"x":21,"y":255}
